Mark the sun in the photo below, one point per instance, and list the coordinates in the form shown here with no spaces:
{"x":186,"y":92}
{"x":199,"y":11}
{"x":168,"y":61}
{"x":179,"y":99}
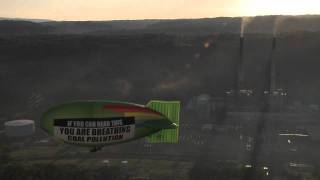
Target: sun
{"x":281,"y":7}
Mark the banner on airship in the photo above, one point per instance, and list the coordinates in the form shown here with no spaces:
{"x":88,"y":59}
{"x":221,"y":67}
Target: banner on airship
{"x":94,"y":130}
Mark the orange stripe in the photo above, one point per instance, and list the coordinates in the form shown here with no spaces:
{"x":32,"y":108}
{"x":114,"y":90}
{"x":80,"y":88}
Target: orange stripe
{"x":129,"y":108}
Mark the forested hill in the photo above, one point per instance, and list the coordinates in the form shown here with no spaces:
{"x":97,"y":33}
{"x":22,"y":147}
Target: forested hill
{"x":153,"y":59}
{"x":206,"y":26}
{"x":138,"y":68}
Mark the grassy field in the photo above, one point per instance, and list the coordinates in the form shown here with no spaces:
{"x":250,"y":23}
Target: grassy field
{"x":63,"y":155}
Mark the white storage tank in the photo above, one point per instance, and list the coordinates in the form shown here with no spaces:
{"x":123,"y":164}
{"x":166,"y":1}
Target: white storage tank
{"x":19,"y":128}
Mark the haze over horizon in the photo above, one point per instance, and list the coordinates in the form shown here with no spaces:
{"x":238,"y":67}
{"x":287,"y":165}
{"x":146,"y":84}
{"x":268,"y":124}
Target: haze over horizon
{"x":145,"y":9}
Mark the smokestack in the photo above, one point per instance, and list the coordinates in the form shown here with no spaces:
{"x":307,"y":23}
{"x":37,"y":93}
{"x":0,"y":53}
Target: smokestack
{"x":274,"y":43}
{"x":239,"y":74}
{"x":273,"y":71}
{"x":240,"y":79}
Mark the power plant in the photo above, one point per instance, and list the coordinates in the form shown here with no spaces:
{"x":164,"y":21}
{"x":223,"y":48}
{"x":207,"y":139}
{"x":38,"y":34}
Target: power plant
{"x":235,"y":122}
{"x":241,"y":96}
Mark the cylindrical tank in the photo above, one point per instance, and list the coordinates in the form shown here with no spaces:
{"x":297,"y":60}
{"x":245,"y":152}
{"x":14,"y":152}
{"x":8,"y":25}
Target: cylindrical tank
{"x":19,"y":128}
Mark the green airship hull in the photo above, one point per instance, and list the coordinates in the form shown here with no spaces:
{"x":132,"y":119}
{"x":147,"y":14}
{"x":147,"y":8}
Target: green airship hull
{"x":101,"y":123}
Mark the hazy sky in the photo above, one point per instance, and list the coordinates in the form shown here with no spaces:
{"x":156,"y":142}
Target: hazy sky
{"x":151,"y":9}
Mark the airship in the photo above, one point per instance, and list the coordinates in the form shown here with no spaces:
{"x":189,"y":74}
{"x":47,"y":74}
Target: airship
{"x":96,"y":124}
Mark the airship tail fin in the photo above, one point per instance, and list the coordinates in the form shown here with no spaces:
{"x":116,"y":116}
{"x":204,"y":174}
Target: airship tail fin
{"x":171,"y":109}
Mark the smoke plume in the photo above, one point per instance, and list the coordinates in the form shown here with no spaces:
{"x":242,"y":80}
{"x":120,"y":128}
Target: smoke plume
{"x":244,"y":22}
{"x":277,"y":22}
{"x":173,"y":85}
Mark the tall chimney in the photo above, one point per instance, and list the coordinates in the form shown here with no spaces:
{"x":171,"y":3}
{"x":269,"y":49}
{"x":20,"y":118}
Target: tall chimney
{"x":273,"y":71}
{"x":240,"y":80}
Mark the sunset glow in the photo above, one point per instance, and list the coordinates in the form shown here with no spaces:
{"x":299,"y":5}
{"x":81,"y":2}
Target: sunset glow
{"x":151,"y":9}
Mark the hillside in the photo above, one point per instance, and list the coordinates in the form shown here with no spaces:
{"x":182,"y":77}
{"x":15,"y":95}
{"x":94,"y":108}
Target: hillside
{"x":207,"y":26}
{"x":142,"y":67}
{"x":23,"y":28}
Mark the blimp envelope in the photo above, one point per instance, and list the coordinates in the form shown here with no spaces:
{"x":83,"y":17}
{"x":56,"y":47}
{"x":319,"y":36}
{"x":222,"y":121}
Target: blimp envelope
{"x":93,"y":130}
{"x":100,"y":123}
